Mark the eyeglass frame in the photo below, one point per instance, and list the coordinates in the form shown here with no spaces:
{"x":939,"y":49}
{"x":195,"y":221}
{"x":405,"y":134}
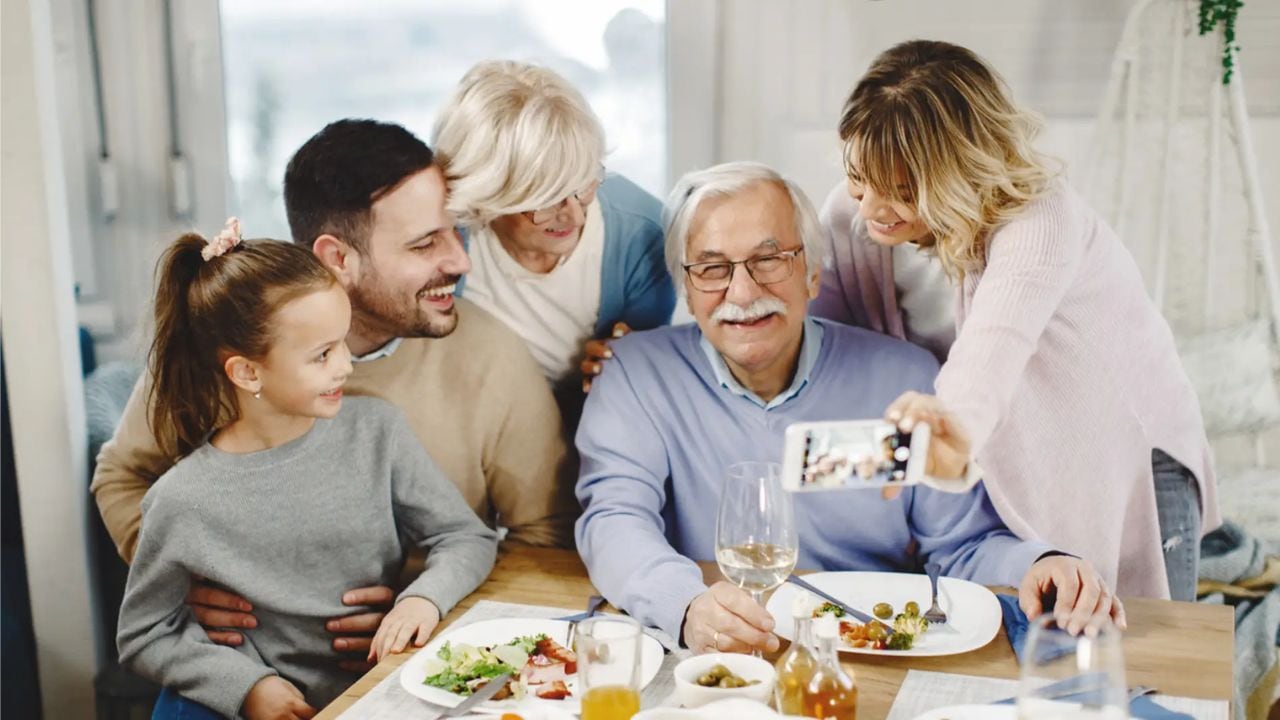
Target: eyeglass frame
{"x":590,"y":190}
{"x":788,"y":255}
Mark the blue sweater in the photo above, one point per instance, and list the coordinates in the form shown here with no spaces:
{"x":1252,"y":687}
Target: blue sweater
{"x":658,"y":433}
{"x":635,"y":286}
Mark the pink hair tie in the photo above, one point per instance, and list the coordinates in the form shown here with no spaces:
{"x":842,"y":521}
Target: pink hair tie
{"x":227,"y":239}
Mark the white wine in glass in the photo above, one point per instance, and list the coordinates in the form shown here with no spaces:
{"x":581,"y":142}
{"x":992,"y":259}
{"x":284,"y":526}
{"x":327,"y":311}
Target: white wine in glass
{"x":756,"y":542}
{"x":756,"y":567}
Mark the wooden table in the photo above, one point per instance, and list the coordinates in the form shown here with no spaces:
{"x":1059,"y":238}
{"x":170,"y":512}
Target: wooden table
{"x":1180,"y":648}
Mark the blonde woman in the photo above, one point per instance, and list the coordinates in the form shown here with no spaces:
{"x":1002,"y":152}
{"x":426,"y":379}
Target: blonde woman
{"x":560,"y":250}
{"x":1060,"y":377}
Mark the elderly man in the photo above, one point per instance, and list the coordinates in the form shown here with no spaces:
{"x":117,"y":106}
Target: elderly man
{"x":678,"y":405}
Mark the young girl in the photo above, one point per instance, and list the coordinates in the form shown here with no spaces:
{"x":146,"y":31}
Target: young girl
{"x":1060,"y":377}
{"x":286,"y":494}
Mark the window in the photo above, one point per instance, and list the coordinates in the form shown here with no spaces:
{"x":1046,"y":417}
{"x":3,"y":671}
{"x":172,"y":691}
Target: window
{"x":293,"y":66}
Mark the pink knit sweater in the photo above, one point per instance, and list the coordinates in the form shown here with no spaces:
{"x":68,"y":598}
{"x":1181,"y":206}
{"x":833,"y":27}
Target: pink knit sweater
{"x":1063,"y":373}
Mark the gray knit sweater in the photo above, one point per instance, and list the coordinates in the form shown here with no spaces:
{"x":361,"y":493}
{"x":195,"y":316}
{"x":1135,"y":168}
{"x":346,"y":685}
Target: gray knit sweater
{"x":291,"y":529}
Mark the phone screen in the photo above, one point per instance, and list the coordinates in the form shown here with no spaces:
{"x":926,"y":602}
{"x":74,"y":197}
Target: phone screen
{"x":851,"y":454}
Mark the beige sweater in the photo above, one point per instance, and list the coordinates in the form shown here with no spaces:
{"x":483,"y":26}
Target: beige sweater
{"x":475,"y":399}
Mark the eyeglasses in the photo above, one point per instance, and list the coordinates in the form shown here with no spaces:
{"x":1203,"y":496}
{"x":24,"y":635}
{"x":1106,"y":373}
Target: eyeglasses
{"x":584,"y":197}
{"x":764,"y":270}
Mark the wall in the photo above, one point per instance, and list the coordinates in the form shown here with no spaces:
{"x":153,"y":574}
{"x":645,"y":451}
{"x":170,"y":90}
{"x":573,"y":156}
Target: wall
{"x":42,"y":365}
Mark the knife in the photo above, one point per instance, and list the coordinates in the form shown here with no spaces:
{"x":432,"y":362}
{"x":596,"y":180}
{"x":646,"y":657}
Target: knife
{"x":857,"y":614}
{"x":490,"y":689}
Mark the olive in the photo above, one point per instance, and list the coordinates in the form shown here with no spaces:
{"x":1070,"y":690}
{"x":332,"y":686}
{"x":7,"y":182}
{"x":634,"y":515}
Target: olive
{"x":876,"y":632}
{"x":884,"y":611}
{"x":708,"y":681}
{"x":719,"y":671}
{"x":912,"y":608}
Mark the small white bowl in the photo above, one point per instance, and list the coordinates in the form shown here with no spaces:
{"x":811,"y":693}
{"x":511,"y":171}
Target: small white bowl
{"x":690,"y":694}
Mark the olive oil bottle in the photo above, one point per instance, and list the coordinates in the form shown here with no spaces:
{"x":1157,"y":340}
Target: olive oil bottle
{"x":797,"y":665}
{"x":831,"y":693}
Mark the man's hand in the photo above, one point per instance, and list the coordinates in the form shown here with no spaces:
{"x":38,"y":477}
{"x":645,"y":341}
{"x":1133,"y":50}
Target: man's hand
{"x":355,"y":632}
{"x":216,"y":608}
{"x":412,"y":619}
{"x":274,"y":698}
{"x":948,"y":444}
{"x":597,"y":351}
{"x":1083,"y":601}
{"x":726,"y":619}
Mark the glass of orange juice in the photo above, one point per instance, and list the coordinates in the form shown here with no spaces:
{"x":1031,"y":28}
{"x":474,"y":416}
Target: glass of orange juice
{"x":609,"y":657}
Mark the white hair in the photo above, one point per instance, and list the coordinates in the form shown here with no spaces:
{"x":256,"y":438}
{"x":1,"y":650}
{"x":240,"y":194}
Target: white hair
{"x":725,"y":180}
{"x":515,"y":137}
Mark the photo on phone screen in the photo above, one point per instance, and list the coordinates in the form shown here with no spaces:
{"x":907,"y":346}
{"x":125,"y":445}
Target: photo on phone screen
{"x":852,"y":454}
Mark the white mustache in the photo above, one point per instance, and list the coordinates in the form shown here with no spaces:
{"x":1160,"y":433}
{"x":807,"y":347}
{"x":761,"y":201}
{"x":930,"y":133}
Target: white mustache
{"x":761,"y":307}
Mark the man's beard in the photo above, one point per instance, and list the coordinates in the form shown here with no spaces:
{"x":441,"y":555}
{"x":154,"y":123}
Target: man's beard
{"x":384,"y":311}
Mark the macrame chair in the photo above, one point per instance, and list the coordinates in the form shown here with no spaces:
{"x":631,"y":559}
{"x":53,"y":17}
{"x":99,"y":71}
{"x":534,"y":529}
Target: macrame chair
{"x":1172,"y":168}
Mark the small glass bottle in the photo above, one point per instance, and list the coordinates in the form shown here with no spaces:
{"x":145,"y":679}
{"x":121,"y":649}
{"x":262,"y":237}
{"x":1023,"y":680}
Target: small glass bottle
{"x":797,"y":665}
{"x":831,"y":693}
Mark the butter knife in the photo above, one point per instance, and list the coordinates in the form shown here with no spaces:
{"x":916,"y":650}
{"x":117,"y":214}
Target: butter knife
{"x":857,"y":614}
{"x":490,"y":689}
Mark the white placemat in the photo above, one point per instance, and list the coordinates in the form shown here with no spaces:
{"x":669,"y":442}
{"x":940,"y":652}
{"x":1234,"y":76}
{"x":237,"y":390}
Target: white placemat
{"x":924,"y":691}
{"x":388,"y":701}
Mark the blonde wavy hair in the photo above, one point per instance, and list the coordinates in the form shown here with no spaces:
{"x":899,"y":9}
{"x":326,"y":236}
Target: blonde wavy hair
{"x":515,"y":137}
{"x":938,"y":115}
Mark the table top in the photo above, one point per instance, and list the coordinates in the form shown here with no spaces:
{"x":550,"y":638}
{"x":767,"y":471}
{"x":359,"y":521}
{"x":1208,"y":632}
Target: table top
{"x":1179,"y":648}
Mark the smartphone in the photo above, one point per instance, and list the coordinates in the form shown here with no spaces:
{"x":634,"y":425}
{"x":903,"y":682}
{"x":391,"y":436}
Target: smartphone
{"x":853,"y":454}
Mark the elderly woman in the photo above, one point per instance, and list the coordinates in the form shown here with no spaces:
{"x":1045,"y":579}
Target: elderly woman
{"x":561,"y":251}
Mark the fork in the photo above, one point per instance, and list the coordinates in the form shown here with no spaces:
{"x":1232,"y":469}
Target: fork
{"x":593,"y":604}
{"x":934,"y":614}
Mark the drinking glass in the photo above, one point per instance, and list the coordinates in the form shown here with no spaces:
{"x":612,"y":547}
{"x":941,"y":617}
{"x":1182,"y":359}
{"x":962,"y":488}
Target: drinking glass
{"x":756,"y":541}
{"x":609,"y":650}
{"x":1078,"y":677}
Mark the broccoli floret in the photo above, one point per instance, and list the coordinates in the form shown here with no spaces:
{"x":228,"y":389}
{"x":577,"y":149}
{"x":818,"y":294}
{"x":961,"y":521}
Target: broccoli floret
{"x":900,"y":640}
{"x":829,"y":608}
{"x":909,"y":624}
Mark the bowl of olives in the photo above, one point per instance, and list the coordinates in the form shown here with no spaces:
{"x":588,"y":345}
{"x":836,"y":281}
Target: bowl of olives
{"x":705,"y":678}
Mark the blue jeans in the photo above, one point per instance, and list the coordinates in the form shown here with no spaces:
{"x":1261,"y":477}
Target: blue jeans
{"x":172,"y":706}
{"x":1178,"y":508}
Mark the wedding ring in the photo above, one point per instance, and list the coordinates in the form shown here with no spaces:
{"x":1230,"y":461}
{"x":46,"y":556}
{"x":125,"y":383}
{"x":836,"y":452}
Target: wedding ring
{"x":715,"y":641}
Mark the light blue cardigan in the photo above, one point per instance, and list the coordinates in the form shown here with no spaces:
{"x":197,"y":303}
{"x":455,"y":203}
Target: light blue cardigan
{"x":635,"y":286}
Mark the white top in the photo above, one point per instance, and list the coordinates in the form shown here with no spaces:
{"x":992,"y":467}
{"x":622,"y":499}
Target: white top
{"x":554,"y":313}
{"x":927,"y":298}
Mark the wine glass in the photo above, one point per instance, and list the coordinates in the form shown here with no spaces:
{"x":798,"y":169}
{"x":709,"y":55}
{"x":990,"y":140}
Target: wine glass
{"x":1065,"y":676}
{"x":756,"y":542}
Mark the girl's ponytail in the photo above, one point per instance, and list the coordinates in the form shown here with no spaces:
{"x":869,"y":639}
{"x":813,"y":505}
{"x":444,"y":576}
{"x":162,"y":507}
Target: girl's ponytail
{"x":187,"y":386}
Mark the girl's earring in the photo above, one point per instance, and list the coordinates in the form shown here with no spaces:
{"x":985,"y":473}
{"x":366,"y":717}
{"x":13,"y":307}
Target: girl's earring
{"x":257,"y":395}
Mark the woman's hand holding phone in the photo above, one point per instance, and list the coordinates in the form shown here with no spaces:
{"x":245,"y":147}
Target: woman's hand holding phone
{"x":948,"y":445}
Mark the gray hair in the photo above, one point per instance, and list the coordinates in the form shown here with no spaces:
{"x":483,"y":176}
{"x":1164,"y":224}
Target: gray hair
{"x":515,"y":137}
{"x":725,"y":180}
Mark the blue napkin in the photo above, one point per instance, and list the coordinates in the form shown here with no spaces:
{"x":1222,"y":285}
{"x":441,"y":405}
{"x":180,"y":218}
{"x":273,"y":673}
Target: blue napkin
{"x":1015,"y":623}
{"x":1142,"y":707}
{"x":1015,"y":626}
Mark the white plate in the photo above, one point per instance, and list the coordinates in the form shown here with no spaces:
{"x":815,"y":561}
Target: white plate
{"x":973,"y":613}
{"x":972,"y":712}
{"x":499,"y":632}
